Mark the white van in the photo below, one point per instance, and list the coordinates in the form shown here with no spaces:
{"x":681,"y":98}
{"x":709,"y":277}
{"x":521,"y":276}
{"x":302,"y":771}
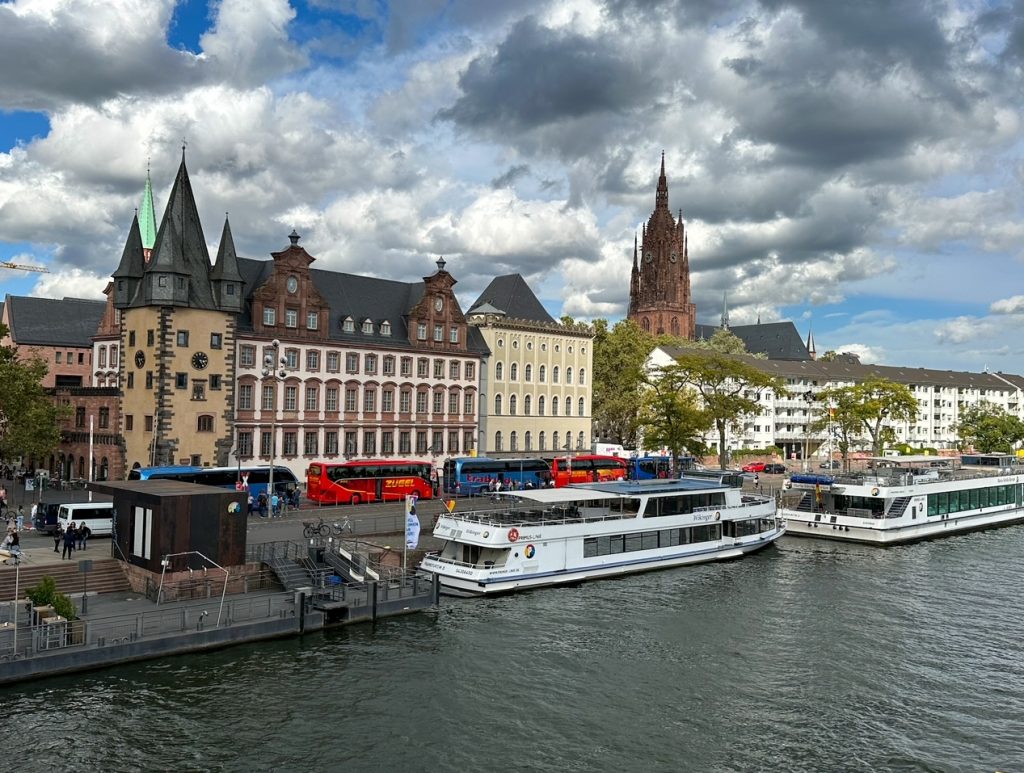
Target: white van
{"x":98,"y":516}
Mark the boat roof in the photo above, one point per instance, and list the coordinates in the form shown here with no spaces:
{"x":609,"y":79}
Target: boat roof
{"x":910,"y":459}
{"x":581,"y":492}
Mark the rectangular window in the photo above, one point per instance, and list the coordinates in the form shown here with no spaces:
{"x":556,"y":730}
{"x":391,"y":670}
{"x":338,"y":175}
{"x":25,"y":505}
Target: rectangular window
{"x":129,"y":423}
{"x":267,"y":400}
{"x":470,"y":371}
{"x":421,"y":402}
{"x":421,"y":331}
{"x":453,"y":335}
{"x":291,"y":359}
{"x":313,"y":359}
{"x":350,"y":444}
{"x":453,"y":403}
{"x":58,"y":357}
{"x":81,"y":358}
{"x":453,"y":370}
{"x":312,"y":398}
{"x":333,"y":362}
{"x":403,"y":443}
{"x":370,"y":401}
{"x":438,"y":333}
{"x":291,"y":444}
{"x":331,"y":442}
{"x":453,"y":442}
{"x":406,"y":366}
{"x":438,"y":369}
{"x":351,"y":363}
{"x":216,"y":340}
{"x":291,"y":398}
{"x":350,"y":399}
{"x":421,"y":442}
{"x":269,"y":318}
{"x":247,"y":356}
{"x":149,"y":379}
{"x":291,"y":317}
{"x":422,"y":367}
{"x":387,"y":442}
{"x":370,"y":362}
{"x":198,"y":390}
{"x":309,"y":444}
{"x":467,"y":441}
{"x":331,"y":399}
{"x":214,"y":381}
{"x":387,"y":401}
{"x":245,"y":397}
{"x":312,"y":320}
{"x":131,"y":338}
{"x":369,"y":443}
{"x":103,"y":357}
{"x":467,"y":405}
{"x":182,"y":338}
{"x":438,"y":402}
{"x":131,"y":380}
{"x":389,"y":366}
{"x":264,"y":444}
{"x":147,"y":423}
{"x":245,"y":444}
{"x":181,"y":380}
{"x":150,"y":338}
{"x":404,"y":401}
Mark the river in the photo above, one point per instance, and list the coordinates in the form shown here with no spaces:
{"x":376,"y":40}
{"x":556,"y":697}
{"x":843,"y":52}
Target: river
{"x":809,"y":656}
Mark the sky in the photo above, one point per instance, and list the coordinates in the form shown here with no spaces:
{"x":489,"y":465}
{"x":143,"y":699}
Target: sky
{"x":853,"y":167}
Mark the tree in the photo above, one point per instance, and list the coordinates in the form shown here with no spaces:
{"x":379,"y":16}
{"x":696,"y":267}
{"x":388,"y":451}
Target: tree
{"x":868,"y":407}
{"x":619,"y":356}
{"x":725,"y":384}
{"x":671,"y":415}
{"x":726,"y":342}
{"x":987,"y":427}
{"x":29,"y":417}
{"x":841,"y":418}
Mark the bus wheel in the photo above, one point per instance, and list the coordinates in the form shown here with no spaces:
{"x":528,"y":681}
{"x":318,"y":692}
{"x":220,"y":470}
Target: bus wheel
{"x":355,"y":499}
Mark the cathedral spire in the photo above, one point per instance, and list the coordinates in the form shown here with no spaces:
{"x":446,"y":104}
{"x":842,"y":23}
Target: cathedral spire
{"x":634,"y":251}
{"x":725,"y":310}
{"x":810,"y":342}
{"x":661,"y":197}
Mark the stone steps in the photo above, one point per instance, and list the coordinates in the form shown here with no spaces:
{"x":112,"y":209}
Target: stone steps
{"x":106,"y":576}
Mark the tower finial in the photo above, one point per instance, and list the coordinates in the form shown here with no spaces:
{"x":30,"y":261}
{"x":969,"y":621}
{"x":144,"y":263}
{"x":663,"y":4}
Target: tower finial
{"x":661,"y":197}
{"x":294,"y":237}
{"x":725,"y":310}
{"x":440,"y":263}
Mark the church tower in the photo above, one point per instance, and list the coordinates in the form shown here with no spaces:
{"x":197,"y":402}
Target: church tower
{"x":659,"y":288}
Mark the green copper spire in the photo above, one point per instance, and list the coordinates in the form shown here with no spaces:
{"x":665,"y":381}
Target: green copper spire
{"x":147,"y":216}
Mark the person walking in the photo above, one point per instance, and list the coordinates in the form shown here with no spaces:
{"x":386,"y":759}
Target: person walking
{"x":70,"y":535}
{"x":21,"y":517}
{"x":275,"y":506}
{"x":84,"y":532}
{"x":58,"y":537}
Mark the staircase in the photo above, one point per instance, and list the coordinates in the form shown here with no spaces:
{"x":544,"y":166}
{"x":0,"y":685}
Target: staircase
{"x":898,"y":507}
{"x":290,"y":573}
{"x":106,"y":576}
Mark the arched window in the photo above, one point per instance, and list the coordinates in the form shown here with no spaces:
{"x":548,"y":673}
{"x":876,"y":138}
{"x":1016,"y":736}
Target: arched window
{"x":526,"y":405}
{"x":513,"y":371}
{"x":204,"y":423}
{"x":540,"y":405}
{"x":554,"y":406}
{"x":529,"y":441}
{"x":499,"y":371}
{"x":675,"y":326}
{"x":540,"y":442}
{"x":513,"y":441}
{"x":568,"y":406}
{"x":542,"y":374}
{"x":583,"y":373}
{"x":554,"y":441}
{"x":511,"y":405}
{"x":579,"y":440}
{"x":497,"y":441}
{"x":647,"y":325}
{"x":554,"y":374}
{"x":579,"y":410}
{"x":497,"y":405}
{"x":528,"y":372}
{"x":568,"y":375}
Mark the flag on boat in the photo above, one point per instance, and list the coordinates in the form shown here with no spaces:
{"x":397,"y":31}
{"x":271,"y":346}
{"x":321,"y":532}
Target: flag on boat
{"x":450,"y":504}
{"x":412,"y":523}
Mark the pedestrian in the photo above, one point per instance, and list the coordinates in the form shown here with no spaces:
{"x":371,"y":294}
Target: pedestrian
{"x":275,"y":505}
{"x":21,"y":517}
{"x":70,"y":535}
{"x":262,"y":504}
{"x":84,"y":532}
{"x":58,"y":536}
{"x":32,"y":515}
{"x":757,"y":482}
{"x":3,"y":496}
{"x":252,"y":505}
{"x":13,"y":546}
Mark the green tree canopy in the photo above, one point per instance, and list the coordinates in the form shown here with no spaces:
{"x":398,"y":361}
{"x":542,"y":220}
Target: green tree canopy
{"x":671,"y":415}
{"x":29,"y":417}
{"x":724,"y":341}
{"x":987,"y":427}
{"x":865,"y":408}
{"x":620,"y":353}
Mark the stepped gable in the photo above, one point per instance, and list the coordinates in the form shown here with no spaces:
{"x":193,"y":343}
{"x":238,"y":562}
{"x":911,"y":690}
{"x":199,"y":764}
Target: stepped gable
{"x":52,"y":322}
{"x":180,"y":247}
{"x":510,"y":294}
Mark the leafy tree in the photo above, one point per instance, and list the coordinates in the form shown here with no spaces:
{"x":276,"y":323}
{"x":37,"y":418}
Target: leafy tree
{"x":988,"y":427}
{"x":726,"y":342}
{"x":671,"y":415}
{"x":868,"y":407}
{"x":45,"y":594}
{"x":723,"y":383}
{"x":29,"y":417}
{"x":619,"y":356}
{"x":841,"y":417}
{"x":829,"y":356}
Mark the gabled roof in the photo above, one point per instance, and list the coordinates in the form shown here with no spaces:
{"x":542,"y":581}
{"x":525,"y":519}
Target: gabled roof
{"x":180,"y":245}
{"x":512,"y":295}
{"x":776,"y":340}
{"x":52,"y":322}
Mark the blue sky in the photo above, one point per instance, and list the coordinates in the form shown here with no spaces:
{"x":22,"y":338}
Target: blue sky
{"x":858,"y":177}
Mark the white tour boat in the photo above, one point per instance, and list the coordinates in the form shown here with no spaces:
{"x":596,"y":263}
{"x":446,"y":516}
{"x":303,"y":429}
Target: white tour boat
{"x":582,"y":532}
{"x":902,"y":499}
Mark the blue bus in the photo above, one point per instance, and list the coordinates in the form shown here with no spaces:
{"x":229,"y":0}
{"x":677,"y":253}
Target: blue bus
{"x":469,"y":475}
{"x":648,"y":467}
{"x":257,"y":478}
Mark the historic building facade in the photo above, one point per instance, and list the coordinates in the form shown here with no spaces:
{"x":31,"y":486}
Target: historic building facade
{"x":659,"y":290}
{"x":535,"y":387}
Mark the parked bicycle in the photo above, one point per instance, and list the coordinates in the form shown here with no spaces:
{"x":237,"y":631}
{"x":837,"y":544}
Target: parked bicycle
{"x":321,"y":528}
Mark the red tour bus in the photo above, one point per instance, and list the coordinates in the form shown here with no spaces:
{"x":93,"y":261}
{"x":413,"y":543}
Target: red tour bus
{"x":587,"y":469}
{"x":367,"y":480}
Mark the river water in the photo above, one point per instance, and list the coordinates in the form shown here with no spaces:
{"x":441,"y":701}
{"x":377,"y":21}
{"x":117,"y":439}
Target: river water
{"x":809,"y":656}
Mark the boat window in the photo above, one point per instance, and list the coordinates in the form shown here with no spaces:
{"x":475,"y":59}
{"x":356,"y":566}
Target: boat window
{"x":615,"y":544}
{"x":649,"y":540}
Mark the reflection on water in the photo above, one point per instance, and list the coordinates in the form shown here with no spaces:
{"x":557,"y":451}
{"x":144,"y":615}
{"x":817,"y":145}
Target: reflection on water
{"x":810,"y":656}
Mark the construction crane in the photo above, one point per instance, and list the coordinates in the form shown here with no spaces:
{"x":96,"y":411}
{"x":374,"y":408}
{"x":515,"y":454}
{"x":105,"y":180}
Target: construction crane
{"x":22,"y":267}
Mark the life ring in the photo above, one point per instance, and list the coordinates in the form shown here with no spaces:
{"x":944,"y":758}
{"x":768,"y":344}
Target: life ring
{"x":874,"y":492}
{"x":718,"y":515}
{"x":513,"y":534}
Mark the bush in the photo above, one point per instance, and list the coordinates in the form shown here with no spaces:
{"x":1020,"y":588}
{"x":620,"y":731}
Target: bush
{"x":45,"y":594}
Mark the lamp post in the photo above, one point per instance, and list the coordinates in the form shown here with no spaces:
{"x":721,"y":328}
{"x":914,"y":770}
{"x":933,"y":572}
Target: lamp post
{"x":809,"y":398}
{"x":271,"y":361}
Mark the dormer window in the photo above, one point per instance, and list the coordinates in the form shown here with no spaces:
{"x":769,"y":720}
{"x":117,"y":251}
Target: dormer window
{"x":385,"y":328}
{"x":348,"y":325}
{"x":367,"y":327}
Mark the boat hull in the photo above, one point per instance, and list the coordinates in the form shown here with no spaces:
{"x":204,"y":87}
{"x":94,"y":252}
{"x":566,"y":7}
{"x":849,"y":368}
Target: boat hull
{"x":851,"y":529}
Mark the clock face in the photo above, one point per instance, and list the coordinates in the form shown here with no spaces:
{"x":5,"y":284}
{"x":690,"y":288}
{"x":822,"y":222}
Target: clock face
{"x":200,"y":360}
{"x":648,"y":257}
{"x":293,"y":284}
{"x":438,"y":303}
{"x":140,"y":358}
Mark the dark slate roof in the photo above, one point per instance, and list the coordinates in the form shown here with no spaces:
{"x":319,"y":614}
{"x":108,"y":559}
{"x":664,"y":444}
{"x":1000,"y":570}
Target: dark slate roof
{"x":776,"y":340}
{"x":226,"y":266}
{"x":352,"y":295}
{"x":133,"y":261}
{"x":180,"y":246}
{"x":512,"y":295}
{"x":49,"y":322}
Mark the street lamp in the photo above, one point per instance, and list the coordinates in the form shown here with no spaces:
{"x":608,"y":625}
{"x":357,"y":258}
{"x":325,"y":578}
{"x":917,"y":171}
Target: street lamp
{"x":809,"y":398}
{"x":270,"y":370}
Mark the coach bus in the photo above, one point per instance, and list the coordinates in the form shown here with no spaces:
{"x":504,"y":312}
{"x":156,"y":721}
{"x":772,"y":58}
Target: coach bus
{"x":587,"y":468}
{"x":367,"y":480}
{"x":256,"y":479}
{"x":468,"y":475}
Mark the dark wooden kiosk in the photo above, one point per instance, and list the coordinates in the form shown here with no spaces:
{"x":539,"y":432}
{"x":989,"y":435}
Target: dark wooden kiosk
{"x":166,"y":529}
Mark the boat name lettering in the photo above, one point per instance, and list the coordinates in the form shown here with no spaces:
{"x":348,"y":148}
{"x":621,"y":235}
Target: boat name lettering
{"x":468,"y":572}
{"x":704,"y":517}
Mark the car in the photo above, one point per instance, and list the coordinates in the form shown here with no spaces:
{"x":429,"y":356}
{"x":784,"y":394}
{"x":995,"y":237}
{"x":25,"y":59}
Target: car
{"x":775,"y":469}
{"x":754,"y":467}
{"x":832,"y":464}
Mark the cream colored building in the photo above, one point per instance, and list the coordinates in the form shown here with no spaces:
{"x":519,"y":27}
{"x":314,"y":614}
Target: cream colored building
{"x":535,"y":386}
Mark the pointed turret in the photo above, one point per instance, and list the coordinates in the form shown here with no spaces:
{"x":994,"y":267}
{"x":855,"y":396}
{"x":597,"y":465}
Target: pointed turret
{"x":178,"y":273}
{"x":147,"y":218}
{"x":725,"y":310}
{"x":661,"y":197}
{"x":225,"y":278}
{"x":131,"y":268}
{"x":810,"y":343}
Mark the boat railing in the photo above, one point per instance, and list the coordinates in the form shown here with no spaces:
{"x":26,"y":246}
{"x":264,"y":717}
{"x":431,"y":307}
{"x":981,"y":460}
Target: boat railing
{"x":465,"y":564}
{"x":530,"y":518}
{"x":916,"y":477}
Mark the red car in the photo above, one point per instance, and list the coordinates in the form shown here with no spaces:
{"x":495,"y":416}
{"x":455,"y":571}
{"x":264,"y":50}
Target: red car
{"x":754,"y":467}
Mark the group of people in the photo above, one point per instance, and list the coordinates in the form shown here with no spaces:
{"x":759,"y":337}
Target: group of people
{"x":72,"y":538}
{"x":274,"y":504}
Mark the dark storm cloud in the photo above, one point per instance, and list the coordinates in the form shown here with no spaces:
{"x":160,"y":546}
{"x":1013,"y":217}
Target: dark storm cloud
{"x":539,"y":77}
{"x":509,"y":178}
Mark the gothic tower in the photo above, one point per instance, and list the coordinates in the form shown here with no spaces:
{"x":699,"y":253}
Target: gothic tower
{"x":659,"y":289}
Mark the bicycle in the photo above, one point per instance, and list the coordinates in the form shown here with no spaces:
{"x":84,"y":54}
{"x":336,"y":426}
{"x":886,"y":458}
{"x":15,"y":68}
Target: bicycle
{"x":317,"y":528}
{"x":339,"y":529}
